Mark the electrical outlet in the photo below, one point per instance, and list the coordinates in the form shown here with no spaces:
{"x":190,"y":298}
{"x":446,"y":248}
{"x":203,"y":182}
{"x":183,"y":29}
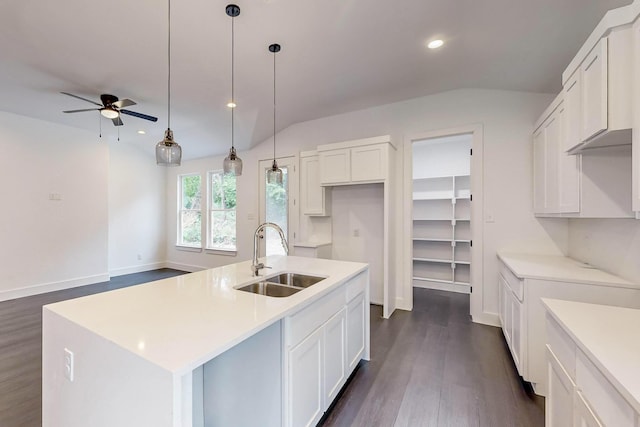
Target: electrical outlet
{"x":68,"y":364}
{"x":139,"y":257}
{"x":356,"y":233}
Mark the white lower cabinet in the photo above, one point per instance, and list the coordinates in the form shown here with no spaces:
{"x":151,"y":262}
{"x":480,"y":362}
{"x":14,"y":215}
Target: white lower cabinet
{"x":305,"y":381}
{"x":355,"y":331}
{"x":511,"y":316}
{"x":324,"y":342}
{"x":334,"y":356}
{"x":559,"y":402}
{"x":583,"y":414}
{"x":578,"y":393}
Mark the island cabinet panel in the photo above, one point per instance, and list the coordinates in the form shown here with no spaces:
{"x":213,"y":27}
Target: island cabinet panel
{"x":559,"y":402}
{"x":335,"y":369}
{"x":355,"y":331}
{"x":323,"y":344}
{"x":305,"y":381}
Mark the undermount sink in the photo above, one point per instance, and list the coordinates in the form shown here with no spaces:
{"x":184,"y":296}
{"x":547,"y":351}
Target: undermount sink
{"x":281,"y":285}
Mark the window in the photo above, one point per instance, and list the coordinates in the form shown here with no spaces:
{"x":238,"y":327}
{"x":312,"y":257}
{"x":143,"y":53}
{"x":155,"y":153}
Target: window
{"x":221,"y":233}
{"x":190,"y":211}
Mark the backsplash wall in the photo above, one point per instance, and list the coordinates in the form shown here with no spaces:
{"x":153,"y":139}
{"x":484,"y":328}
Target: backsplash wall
{"x":612,"y":245}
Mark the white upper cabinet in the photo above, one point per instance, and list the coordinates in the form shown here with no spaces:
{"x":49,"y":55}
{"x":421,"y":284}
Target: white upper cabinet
{"x":594,"y":91}
{"x":313,"y":196}
{"x":354,"y":162}
{"x":636,"y":116}
{"x":604,"y":81}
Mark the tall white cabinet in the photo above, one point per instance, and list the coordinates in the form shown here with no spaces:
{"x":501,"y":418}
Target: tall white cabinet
{"x":441,"y":249}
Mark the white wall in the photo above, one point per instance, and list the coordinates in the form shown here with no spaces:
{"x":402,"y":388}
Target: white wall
{"x":442,"y":156}
{"x":507,"y":119}
{"x":137,"y":206}
{"x":612,"y":245}
{"x":46,"y":244}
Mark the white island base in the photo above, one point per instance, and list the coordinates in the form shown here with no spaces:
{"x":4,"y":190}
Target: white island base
{"x":194,"y":351}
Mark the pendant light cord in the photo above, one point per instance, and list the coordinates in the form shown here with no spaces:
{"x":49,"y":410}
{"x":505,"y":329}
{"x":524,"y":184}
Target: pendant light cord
{"x":169,"y":67}
{"x":233,"y":98}
{"x":274,"y":106}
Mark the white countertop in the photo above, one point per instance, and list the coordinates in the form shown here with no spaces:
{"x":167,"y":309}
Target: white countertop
{"x":182,"y":322}
{"x":559,"y":268}
{"x":609,"y":336}
{"x":313,"y":245}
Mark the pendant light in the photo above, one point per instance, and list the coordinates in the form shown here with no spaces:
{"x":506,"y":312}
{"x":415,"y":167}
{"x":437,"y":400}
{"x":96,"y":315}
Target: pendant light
{"x":232,"y":164}
{"x":168,"y":152}
{"x":274,"y":175}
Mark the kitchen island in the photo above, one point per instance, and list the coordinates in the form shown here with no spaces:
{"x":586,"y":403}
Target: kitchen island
{"x":193,"y":350}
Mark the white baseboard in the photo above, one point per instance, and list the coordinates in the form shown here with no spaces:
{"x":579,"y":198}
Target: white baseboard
{"x":450,"y":287}
{"x":184,"y":267}
{"x":53,"y":286}
{"x":491,"y":319}
{"x":137,"y":268}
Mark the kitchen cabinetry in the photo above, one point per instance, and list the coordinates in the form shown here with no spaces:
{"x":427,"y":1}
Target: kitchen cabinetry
{"x":524,"y":279}
{"x":321,"y":353}
{"x":354,"y":162}
{"x":604,"y":78}
{"x":595,"y":184}
{"x":314,"y":200}
{"x":441,"y":232}
{"x":636,"y":117}
{"x":585,"y":384}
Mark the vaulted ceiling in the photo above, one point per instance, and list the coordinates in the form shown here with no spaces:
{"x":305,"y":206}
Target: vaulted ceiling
{"x":337,"y":56}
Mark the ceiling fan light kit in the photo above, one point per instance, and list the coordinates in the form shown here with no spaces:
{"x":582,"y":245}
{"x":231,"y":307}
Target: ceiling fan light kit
{"x":168,"y":152}
{"x":274,"y":175}
{"x":232,"y":164}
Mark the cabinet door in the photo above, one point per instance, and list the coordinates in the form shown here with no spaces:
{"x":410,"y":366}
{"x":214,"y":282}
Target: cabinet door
{"x":369,"y":163}
{"x":583,"y":415}
{"x":334,"y":356}
{"x":507,"y":314}
{"x":635,"y":134}
{"x":312,"y":195}
{"x":355,"y":331}
{"x":516,"y":332}
{"x":595,"y":91}
{"x":335,"y":166}
{"x":539,"y":172}
{"x":560,"y":389}
{"x":553,"y":132}
{"x":569,"y":166}
{"x":573,"y":112}
{"x":305,"y":381}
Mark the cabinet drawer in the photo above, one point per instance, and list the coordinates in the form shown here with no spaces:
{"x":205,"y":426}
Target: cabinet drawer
{"x":609,"y":406}
{"x":310,"y":318}
{"x":516,"y":285}
{"x":562,"y":346}
{"x":356,"y":286}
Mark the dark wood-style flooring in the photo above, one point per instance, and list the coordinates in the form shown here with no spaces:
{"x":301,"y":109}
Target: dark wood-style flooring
{"x":434,"y":367}
{"x":429,"y":367}
{"x":21,"y":346}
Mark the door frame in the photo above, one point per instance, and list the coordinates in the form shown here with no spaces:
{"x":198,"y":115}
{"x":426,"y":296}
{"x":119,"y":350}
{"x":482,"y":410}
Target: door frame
{"x":476,"y":305}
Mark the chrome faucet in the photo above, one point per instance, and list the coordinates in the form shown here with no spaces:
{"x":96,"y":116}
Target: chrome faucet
{"x":256,"y":266}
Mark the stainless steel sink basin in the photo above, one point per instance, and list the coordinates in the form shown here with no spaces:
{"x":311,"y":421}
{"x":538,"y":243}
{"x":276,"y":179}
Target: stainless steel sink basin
{"x":270,"y":289}
{"x":281,"y":285}
{"x":295,"y":280}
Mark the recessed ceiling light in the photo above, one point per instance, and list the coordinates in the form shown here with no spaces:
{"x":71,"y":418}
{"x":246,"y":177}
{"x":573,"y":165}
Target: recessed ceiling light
{"x":231,"y":105}
{"x":434,"y":44}
{"x":141,"y":132}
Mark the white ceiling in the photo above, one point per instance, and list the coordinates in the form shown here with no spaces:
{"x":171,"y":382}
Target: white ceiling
{"x":337,"y":56}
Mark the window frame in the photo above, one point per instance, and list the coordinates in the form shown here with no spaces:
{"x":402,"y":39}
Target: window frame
{"x":180,"y":209}
{"x":209,"y":211}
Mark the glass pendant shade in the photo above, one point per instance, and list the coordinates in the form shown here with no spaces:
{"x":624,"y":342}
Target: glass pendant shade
{"x":232,"y":164}
{"x":274,"y":175}
{"x":168,"y":152}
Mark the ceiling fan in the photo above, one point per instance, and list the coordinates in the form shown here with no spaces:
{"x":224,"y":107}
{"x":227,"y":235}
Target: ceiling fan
{"x":111,"y":108}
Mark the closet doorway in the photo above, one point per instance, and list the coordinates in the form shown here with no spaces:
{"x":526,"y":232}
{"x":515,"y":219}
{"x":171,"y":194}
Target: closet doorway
{"x":443,"y":229}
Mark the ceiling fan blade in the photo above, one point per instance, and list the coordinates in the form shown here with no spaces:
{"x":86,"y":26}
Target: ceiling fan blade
{"x":117,"y":121}
{"x":79,"y":97}
{"x":123,"y":103}
{"x":79,"y":111}
{"x":139,"y":115}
